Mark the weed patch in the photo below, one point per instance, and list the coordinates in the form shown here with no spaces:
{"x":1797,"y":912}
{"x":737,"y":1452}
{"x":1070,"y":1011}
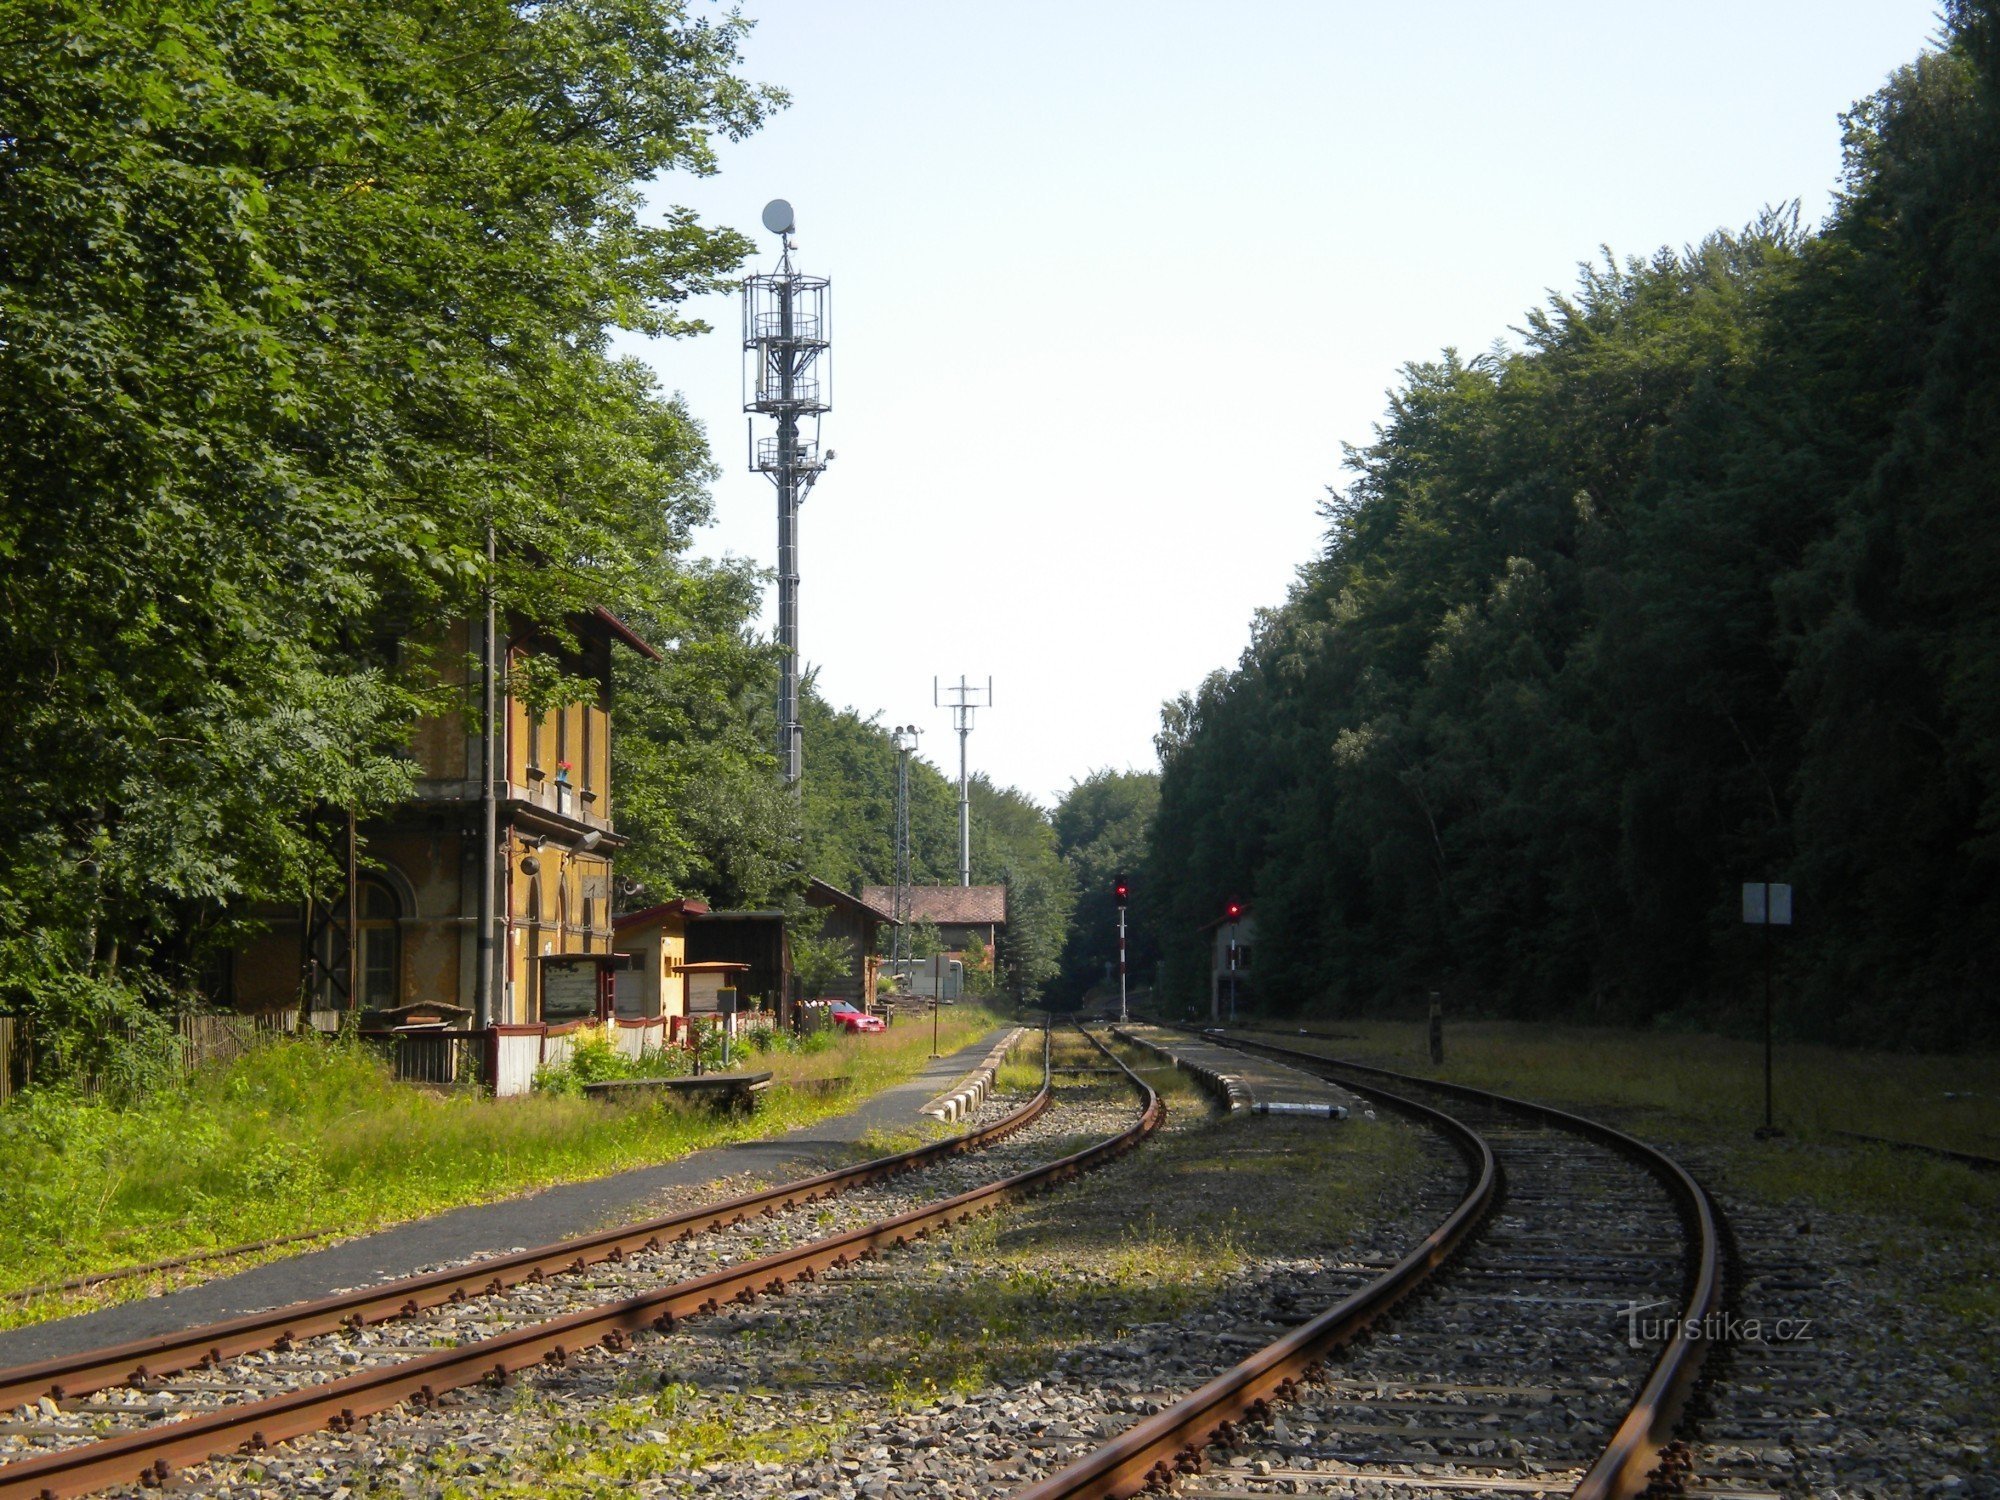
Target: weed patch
{"x":301,"y":1136}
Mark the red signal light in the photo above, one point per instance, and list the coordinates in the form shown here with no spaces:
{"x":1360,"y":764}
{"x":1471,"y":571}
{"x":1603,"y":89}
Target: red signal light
{"x":1120,"y":890}
{"x":1234,"y":910}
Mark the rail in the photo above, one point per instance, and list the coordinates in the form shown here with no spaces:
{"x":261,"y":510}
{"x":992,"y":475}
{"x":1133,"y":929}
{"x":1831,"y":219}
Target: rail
{"x":1153,"y":1452}
{"x":1624,"y":1467}
{"x":343,"y":1404}
{"x":209,"y":1344}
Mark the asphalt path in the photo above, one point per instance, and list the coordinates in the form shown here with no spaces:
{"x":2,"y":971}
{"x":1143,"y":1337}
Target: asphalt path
{"x":538,"y":1218}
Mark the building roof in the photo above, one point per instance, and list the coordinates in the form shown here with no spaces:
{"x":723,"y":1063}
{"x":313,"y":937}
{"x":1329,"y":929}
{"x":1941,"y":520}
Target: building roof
{"x":621,"y":631}
{"x":680,"y":906}
{"x":946,"y":905}
{"x":819,"y":893}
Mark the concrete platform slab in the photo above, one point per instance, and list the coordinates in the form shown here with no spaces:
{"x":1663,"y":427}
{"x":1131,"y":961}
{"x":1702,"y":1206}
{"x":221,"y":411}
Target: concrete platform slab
{"x":1244,"y":1081}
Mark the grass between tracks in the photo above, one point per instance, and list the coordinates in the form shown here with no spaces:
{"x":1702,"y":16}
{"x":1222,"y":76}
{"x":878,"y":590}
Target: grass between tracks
{"x":1012,"y":1295}
{"x":1708,"y":1092}
{"x":302,"y":1137}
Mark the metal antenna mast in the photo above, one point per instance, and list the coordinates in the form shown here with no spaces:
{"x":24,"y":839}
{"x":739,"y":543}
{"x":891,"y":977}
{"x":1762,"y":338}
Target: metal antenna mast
{"x":786,"y":370}
{"x":905,"y":740}
{"x":963,"y":703}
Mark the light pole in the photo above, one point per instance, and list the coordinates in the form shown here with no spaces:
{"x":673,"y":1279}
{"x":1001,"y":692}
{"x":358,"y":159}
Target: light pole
{"x":904,"y":738}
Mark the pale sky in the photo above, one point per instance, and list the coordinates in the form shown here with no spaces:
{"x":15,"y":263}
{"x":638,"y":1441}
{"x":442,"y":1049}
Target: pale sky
{"x":1112,"y":281}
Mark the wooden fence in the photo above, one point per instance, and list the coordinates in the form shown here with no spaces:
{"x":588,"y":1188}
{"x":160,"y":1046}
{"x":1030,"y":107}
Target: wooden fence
{"x":502,"y":1059}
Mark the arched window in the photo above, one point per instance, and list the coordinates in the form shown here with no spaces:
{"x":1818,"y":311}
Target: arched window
{"x":380,"y":942}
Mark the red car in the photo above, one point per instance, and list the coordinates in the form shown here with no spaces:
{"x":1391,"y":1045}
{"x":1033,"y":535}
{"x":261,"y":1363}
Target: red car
{"x":846,"y":1015}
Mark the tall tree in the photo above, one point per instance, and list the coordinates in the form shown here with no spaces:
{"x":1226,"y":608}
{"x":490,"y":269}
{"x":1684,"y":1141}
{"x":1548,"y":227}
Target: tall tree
{"x":1695,"y":584}
{"x":298,"y":302}
{"x":1103,"y":826}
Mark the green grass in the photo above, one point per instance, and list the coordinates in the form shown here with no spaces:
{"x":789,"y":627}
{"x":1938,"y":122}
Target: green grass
{"x":1707,"y":1092}
{"x":301,"y":1136}
{"x":1710,"y":1090}
{"x":1094,"y":1260}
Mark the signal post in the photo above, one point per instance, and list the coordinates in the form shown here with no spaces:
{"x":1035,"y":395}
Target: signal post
{"x":1119,"y":892}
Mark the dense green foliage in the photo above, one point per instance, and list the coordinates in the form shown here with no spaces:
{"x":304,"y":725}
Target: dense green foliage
{"x":1102,"y":829}
{"x":297,"y":302}
{"x":698,"y":794}
{"x":1699,"y":584}
{"x":850,"y":828}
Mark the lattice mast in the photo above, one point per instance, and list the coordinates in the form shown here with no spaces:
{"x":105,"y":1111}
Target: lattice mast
{"x":787,"y":368}
{"x":965,"y":699}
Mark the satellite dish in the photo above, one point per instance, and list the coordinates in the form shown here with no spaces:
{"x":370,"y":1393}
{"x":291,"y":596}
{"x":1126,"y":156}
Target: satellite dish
{"x":778,"y":216}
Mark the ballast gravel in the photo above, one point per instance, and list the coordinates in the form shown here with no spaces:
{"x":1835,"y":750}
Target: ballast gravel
{"x":762,"y":1400}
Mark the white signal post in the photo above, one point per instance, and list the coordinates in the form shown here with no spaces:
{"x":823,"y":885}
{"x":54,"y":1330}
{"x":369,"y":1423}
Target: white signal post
{"x":1767,"y":904}
{"x":1120,"y":891}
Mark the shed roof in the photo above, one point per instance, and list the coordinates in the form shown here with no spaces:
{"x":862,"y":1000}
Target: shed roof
{"x":820,"y":893}
{"x":681,"y":906}
{"x":623,"y":632}
{"x":956,"y":905}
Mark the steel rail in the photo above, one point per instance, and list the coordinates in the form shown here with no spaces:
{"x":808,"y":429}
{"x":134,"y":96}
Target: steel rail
{"x":1154,"y":1452}
{"x":141,"y":1360}
{"x":1625,"y":1466}
{"x":344,"y":1404}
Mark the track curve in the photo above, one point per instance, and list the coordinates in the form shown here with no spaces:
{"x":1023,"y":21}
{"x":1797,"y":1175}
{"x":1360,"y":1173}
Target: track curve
{"x":1169,"y":1446}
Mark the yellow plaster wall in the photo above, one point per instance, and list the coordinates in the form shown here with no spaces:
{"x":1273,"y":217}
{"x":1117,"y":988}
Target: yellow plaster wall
{"x":557,"y":872}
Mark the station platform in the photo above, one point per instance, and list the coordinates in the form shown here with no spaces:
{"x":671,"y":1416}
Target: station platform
{"x":541,"y":1217}
{"x":1245,"y":1082}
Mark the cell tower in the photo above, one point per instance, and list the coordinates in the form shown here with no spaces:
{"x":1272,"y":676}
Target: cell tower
{"x":787,"y":375}
{"x":964,"y":701}
{"x":905,"y":740}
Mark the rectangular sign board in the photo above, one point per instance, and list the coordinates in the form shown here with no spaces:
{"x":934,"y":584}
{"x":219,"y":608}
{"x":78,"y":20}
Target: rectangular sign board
{"x":569,"y":988}
{"x":1767,"y":903}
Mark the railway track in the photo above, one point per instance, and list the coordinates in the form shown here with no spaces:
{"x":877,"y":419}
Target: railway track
{"x":333,"y":1365}
{"x":1551,"y":1357}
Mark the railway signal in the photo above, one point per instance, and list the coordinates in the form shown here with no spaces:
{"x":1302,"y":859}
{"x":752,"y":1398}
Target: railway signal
{"x":1119,"y":891}
{"x":1232,"y":913}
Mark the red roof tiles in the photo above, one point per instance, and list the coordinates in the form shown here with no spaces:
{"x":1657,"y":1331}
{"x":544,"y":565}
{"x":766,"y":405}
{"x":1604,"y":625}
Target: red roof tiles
{"x":946,"y":905}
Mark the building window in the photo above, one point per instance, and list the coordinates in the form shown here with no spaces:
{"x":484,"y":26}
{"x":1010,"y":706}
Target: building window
{"x":379,"y":939}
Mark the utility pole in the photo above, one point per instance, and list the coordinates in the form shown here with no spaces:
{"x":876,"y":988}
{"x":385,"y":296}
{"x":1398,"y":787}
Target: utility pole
{"x":904,"y":737}
{"x":484,"y":986}
{"x":784,"y":339}
{"x":965,"y":699}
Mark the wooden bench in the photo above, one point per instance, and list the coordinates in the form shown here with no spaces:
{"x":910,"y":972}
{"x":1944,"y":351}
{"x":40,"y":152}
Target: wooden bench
{"x":730,"y":1090}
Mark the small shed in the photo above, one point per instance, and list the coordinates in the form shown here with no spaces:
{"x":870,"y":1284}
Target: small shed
{"x":753,"y":938}
{"x":655,"y":939}
{"x":857,"y":923}
{"x":707,"y":981}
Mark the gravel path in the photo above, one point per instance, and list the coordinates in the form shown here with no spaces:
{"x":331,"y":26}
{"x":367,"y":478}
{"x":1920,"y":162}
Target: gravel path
{"x":465,"y":1234}
{"x":52,"y":1426}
